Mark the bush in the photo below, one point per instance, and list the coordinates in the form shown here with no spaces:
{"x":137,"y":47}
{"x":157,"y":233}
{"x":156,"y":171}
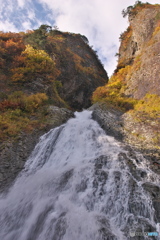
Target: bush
{"x":149,"y":105}
{"x":132,"y":10}
{"x":16,"y":112}
{"x":30,"y":63}
{"x":113,"y":92}
{"x":19,"y":100}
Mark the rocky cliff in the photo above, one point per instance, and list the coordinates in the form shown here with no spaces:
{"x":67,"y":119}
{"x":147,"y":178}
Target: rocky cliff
{"x":140,"y":49}
{"x":134,"y":88}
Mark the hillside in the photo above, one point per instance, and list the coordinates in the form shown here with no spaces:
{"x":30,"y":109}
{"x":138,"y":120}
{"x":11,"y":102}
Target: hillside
{"x":45,"y":75}
{"x":134,"y":88}
{"x":41,"y":68}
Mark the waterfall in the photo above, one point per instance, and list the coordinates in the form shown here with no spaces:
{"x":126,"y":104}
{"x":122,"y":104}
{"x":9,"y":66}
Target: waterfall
{"x":80,"y":184}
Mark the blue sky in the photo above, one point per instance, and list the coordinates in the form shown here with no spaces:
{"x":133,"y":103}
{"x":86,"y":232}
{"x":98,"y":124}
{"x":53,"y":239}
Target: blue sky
{"x":100,"y":21}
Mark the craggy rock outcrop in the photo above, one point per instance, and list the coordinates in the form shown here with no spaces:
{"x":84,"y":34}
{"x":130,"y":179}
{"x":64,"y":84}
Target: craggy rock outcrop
{"x":134,"y":87}
{"x":77,"y":68}
{"x":140,"y":48}
{"x":14,"y":152}
{"x":109,"y":119}
{"x":140,"y":51}
{"x":81,"y":72}
{"x":121,"y":126}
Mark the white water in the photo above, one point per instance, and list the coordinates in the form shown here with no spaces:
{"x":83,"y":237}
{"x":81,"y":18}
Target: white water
{"x":77,"y":185}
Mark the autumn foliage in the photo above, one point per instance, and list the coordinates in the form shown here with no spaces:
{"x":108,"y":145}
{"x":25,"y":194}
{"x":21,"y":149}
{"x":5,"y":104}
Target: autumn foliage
{"x":23,"y":60}
{"x":113,"y":92}
{"x":31,"y":63}
{"x":14,"y":112}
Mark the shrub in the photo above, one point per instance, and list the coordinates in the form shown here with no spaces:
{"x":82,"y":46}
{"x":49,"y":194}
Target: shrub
{"x":132,"y":10}
{"x":30,"y":63}
{"x":19,"y":100}
{"x":149,"y":105}
{"x":16,"y":112}
{"x":113,"y":92}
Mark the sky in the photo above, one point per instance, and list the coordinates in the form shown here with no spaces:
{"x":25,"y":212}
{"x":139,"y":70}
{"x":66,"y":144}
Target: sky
{"x":100,"y":21}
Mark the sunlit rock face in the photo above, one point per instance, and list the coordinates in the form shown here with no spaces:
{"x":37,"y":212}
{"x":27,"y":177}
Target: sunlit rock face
{"x":140,"y":48}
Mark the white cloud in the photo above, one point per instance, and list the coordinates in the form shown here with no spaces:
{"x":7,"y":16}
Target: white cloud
{"x":100,"y":21}
{"x":7,"y":26}
{"x":27,"y":25}
{"x":21,"y":3}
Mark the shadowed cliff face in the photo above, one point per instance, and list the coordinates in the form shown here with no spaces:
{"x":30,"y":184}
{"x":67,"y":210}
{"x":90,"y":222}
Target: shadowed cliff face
{"x":140,"y":49}
{"x":60,"y":64}
{"x":80,"y":70}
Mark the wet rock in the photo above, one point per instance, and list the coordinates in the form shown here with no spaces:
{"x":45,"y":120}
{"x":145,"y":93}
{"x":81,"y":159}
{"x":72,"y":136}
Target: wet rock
{"x":105,"y":229}
{"x":109,"y":119}
{"x":122,"y":127}
{"x":154,"y":192}
{"x":14,"y":153}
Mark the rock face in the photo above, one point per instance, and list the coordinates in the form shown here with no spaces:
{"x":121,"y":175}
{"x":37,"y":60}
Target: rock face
{"x":121,"y":126}
{"x":80,"y":70}
{"x":140,"y":51}
{"x":109,"y":119}
{"x":140,"y":48}
{"x":134,"y":88}
{"x":77,"y":68}
{"x":14,"y":152}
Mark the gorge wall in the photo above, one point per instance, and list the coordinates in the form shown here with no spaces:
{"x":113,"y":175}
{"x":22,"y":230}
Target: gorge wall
{"x":134,"y":89}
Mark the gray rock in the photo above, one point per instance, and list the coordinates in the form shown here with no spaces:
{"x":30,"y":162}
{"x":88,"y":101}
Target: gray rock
{"x":13,"y":154}
{"x":139,"y":135}
{"x":109,"y":119}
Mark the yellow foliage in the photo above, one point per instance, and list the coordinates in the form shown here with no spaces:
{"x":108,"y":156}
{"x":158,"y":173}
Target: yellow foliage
{"x":14,"y":115}
{"x":36,"y":55}
{"x":33,"y":101}
{"x":113,"y":92}
{"x":34,"y":62}
{"x":126,"y":37}
{"x":150,"y":105}
{"x":157,"y":30}
{"x":115,"y":86}
{"x":39,"y":60}
{"x":12,"y":123}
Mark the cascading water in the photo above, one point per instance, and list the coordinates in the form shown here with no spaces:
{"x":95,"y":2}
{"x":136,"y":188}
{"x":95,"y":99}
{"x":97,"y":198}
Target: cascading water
{"x":78,"y":185}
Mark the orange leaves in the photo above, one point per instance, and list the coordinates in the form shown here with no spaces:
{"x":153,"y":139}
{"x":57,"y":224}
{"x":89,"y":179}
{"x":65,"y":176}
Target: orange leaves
{"x":19,"y":100}
{"x":126,"y":36}
{"x":14,"y":47}
{"x":18,"y":61}
{"x":11,"y":45}
{"x":9,"y":35}
{"x":31,"y":63}
{"x":6,"y":104}
{"x":17,"y":75}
